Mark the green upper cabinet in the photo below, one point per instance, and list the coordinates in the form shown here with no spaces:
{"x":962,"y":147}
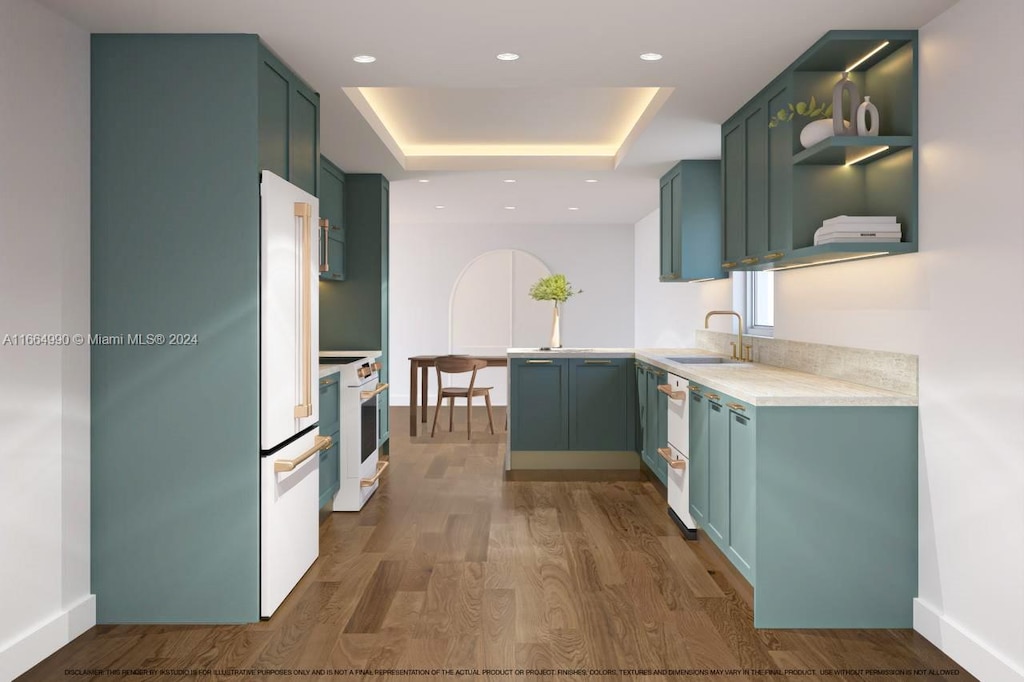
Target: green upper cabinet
{"x":332,"y":221}
{"x":600,"y":408}
{"x":691,"y":222}
{"x":539,"y":402}
{"x":289,"y":124}
{"x":776,"y":194}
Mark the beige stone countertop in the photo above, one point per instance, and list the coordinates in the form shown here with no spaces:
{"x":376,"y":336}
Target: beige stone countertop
{"x":754,"y":383}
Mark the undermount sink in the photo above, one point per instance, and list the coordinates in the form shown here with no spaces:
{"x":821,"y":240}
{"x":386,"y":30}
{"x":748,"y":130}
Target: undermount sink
{"x":706,"y":360}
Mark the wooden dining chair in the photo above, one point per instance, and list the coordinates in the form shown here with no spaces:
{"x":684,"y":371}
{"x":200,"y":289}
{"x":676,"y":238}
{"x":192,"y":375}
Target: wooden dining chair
{"x":460,"y":364}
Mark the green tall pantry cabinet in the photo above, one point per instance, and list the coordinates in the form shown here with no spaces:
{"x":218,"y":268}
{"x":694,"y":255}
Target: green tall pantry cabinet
{"x":181,"y":126}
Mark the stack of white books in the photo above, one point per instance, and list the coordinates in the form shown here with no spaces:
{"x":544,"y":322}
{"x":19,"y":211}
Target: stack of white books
{"x":858,"y":228}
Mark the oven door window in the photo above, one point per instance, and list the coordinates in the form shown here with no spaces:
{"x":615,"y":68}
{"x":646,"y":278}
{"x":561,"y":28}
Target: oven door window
{"x":368,"y":428}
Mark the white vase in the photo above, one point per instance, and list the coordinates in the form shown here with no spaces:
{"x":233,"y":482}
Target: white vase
{"x":864,"y":111}
{"x":556,"y":330}
{"x":816,"y":131}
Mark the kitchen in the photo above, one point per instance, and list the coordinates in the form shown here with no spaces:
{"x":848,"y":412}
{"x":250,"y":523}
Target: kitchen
{"x":969,"y":396}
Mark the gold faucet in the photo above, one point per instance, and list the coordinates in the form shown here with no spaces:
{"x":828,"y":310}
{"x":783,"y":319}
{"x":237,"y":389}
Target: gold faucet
{"x":738,"y":351}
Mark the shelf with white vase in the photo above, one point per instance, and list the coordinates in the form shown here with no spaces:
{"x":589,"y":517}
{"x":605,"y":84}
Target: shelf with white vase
{"x":850,"y":150}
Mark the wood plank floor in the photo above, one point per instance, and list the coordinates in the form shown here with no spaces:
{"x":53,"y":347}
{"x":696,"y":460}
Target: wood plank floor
{"x":450,"y":566}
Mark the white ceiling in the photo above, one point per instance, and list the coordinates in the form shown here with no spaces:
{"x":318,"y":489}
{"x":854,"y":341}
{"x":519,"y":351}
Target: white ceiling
{"x":717,"y":53}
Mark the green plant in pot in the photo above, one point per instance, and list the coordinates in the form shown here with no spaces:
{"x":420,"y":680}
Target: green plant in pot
{"x":554,"y":288}
{"x":820,"y":126}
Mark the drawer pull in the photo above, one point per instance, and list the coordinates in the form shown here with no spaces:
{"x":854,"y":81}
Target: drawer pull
{"x":749,"y":261}
{"x":674,"y":395}
{"x":674,"y":275}
{"x":597,"y":362}
{"x":320,"y":443}
{"x":367,"y":482}
{"x":774,"y":256}
{"x":666,"y":455}
{"x":736,"y":406}
{"x":729,"y":264}
{"x":713,"y":396}
{"x":538,"y":362}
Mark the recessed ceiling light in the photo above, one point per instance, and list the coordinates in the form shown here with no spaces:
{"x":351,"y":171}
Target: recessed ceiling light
{"x":439,"y":207}
{"x":424,"y":180}
{"x":510,"y":180}
{"x":510,"y":208}
{"x":574,"y":208}
{"x":364,"y":59}
{"x":591,"y":180}
{"x":508,"y":56}
{"x":650,"y":56}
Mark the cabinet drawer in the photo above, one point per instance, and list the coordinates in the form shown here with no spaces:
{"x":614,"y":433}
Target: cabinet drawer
{"x":329,"y":404}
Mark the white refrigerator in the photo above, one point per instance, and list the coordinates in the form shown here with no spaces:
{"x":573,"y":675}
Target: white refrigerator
{"x":289,"y":413}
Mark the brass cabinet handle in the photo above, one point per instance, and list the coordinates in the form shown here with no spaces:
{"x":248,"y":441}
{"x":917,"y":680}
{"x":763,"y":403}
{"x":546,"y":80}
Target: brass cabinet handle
{"x":320,"y":443}
{"x":324,"y":382}
{"x":729,"y":264}
{"x":774,"y":256}
{"x":674,"y":395}
{"x":305,"y":408}
{"x":597,"y":362}
{"x":366,"y":395}
{"x":674,"y":275}
{"x":695,"y":389}
{"x":713,"y":396}
{"x":666,"y":455}
{"x":736,"y":406}
{"x":324,"y":246}
{"x":749,"y":261}
{"x":377,"y":366}
{"x":367,"y":482}
{"x":538,"y":362}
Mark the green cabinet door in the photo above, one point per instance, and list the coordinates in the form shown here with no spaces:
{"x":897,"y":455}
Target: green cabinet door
{"x":540,"y":404}
{"x":330,"y":469}
{"x":734,"y":191}
{"x":718,"y":474}
{"x":741,"y":491}
{"x":599,"y":405}
{"x":640,"y":386}
{"x":329,"y":404}
{"x":669,"y":212}
{"x":273,"y":117}
{"x":303,"y":134}
{"x":385,"y":307}
{"x":780,"y":173}
{"x":657,"y":425}
{"x":332,"y":210}
{"x":698,"y":456}
{"x":756,"y":139}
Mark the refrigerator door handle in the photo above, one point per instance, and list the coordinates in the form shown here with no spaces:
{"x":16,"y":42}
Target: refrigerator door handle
{"x":321,"y":443}
{"x":305,"y":409}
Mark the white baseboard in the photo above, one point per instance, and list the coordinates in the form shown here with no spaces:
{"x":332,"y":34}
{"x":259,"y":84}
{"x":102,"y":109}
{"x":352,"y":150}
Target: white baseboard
{"x":35,"y":646}
{"x":963,"y":647}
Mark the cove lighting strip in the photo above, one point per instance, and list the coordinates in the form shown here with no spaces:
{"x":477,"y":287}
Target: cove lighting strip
{"x":867,"y":156}
{"x":868,"y":56}
{"x":833,"y":260}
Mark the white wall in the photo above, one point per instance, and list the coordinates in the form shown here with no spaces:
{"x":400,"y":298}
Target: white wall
{"x":426,"y":261}
{"x":44,"y":288}
{"x":666,"y":312}
{"x":958,"y":305}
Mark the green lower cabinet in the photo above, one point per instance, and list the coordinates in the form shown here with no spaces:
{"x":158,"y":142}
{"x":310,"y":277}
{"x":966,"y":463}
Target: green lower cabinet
{"x":742,"y":484}
{"x":657,"y":425}
{"x":815,"y":506}
{"x":640,"y":378}
{"x":540,"y":404}
{"x":699,"y":453}
{"x":330,"y":417}
{"x":718,"y":473}
{"x":330,"y":470}
{"x":600,"y":413}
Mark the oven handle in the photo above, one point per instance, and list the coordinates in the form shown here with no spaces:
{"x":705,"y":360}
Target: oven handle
{"x":320,"y":443}
{"x":367,"y":482}
{"x":666,"y":455}
{"x":366,"y":395}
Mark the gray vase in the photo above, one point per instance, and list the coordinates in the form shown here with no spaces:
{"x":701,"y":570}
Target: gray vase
{"x":843,"y":124}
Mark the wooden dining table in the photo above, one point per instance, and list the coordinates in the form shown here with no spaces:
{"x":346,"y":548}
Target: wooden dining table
{"x":419,"y":366}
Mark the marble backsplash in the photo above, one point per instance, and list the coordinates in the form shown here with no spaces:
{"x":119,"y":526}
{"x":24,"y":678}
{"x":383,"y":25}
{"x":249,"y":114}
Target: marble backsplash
{"x":880,"y":369}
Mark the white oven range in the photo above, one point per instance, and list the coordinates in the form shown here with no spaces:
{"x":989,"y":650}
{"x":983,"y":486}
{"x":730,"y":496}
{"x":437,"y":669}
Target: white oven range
{"x":360,"y":468}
